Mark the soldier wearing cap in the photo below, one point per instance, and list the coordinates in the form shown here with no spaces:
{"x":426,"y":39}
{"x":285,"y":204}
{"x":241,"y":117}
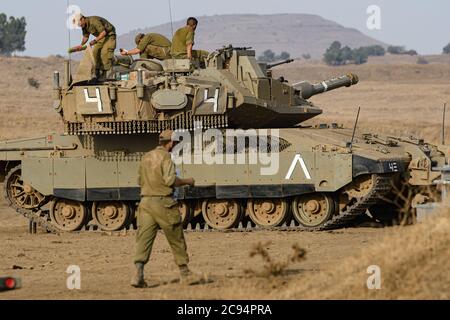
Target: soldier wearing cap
{"x":183,"y":43}
{"x":104,"y":43}
{"x":158,"y":210}
{"x":150,"y":46}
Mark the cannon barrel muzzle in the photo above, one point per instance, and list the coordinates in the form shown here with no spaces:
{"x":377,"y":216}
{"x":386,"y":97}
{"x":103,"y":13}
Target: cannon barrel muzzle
{"x":270,"y":66}
{"x":307,"y":90}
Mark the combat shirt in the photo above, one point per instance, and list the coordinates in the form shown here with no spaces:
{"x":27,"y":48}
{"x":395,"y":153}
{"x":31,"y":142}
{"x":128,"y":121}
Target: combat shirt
{"x":153,"y":39}
{"x":157,"y":173}
{"x":96,"y":25}
{"x":182,"y":38}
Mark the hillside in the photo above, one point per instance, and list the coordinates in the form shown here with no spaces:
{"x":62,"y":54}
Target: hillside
{"x":295,"y":33}
{"x":27,"y":111}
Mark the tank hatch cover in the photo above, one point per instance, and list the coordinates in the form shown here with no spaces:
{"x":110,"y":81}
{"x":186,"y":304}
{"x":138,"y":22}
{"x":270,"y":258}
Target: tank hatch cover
{"x":169,"y":100}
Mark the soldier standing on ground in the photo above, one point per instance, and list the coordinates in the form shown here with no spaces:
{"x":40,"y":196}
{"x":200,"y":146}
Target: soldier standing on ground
{"x":183,"y":42}
{"x":104,"y":43}
{"x":158,"y":210}
{"x":150,"y":46}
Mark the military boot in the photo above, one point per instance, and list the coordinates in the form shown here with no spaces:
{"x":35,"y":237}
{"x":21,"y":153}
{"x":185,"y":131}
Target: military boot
{"x":187,"y":277}
{"x":138,"y":280}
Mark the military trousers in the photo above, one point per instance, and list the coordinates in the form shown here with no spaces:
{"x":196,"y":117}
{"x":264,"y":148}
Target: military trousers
{"x":155,"y":213}
{"x":103,"y":52}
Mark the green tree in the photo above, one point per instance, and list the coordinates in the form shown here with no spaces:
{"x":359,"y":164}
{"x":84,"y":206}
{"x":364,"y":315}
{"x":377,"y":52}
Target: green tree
{"x":12,"y":34}
{"x":345,"y":55}
{"x":360,"y":56}
{"x":411,"y":52}
{"x":283,"y":56}
{"x":267,"y":56}
{"x":375,"y":50}
{"x":396,"y":50}
{"x":333,"y":54}
{"x":446,"y":49}
{"x":337,"y":55}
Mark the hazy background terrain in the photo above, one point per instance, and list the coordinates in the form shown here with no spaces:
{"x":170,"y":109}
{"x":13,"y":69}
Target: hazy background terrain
{"x":297,"y":34}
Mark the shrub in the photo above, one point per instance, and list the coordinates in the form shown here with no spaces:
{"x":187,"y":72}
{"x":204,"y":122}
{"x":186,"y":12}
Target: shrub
{"x":306,"y":56}
{"x":32,"y":82}
{"x":446,"y":49}
{"x":422,"y":60}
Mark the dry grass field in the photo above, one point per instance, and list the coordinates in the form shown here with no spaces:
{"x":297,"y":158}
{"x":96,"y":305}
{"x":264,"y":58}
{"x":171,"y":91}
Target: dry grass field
{"x":396,"y":95}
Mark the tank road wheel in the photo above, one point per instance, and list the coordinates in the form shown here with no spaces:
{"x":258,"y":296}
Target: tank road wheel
{"x":186,"y":212}
{"x":110,"y":215}
{"x":268,"y":213}
{"x":68,"y":215}
{"x":21,"y":195}
{"x":222,"y":214}
{"x":313,"y":210}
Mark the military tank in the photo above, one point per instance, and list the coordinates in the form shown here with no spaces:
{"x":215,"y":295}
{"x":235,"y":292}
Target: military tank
{"x":303,"y":178}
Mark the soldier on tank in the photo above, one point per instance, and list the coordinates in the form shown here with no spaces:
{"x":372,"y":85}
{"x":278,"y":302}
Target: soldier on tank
{"x":183,"y":43}
{"x":104,"y":43}
{"x":158,"y":209}
{"x":150,"y":46}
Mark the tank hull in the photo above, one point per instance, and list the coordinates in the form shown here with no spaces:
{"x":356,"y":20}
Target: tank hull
{"x":311,"y":165}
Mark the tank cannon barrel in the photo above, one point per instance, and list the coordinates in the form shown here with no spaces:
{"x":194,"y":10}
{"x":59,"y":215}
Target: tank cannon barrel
{"x":273,"y":65}
{"x":307,"y":90}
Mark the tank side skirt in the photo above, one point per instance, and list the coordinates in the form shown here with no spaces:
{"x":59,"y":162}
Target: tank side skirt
{"x":219,"y":192}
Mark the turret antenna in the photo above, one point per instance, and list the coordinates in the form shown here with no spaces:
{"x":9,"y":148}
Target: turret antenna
{"x":171,"y":27}
{"x":354,"y":130}
{"x":443,"y":124}
{"x":68,"y":29}
{"x":171,"y":20}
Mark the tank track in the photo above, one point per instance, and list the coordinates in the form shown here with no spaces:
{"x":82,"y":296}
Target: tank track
{"x":40,"y":218}
{"x":382,"y":186}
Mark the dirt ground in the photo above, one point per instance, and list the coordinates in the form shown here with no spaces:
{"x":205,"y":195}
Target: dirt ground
{"x":413,"y":262}
{"x":106,"y":261}
{"x":396,"y":96}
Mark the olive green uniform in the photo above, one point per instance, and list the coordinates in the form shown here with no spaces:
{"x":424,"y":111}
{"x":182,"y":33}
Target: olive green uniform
{"x":154,"y":46}
{"x":158,"y":210}
{"x":182,"y":38}
{"x":103,"y":50}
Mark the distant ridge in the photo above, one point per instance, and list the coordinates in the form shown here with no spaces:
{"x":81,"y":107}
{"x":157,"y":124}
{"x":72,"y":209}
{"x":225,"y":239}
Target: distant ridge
{"x":297,"y":34}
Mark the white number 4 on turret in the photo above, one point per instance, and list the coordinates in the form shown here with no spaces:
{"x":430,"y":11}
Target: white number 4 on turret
{"x":97,"y":99}
{"x":214,"y":100}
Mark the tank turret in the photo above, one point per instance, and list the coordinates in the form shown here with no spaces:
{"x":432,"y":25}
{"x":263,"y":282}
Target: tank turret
{"x":148,"y":96}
